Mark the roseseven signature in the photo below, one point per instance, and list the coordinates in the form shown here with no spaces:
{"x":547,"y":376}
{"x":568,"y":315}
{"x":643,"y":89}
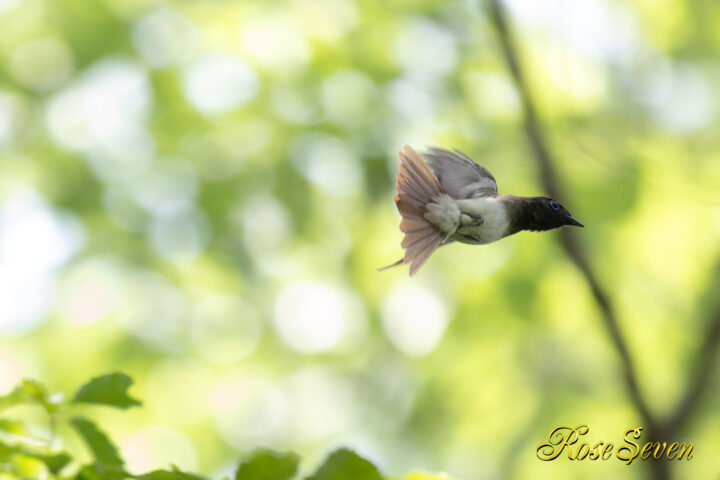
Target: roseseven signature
{"x":568,"y":438}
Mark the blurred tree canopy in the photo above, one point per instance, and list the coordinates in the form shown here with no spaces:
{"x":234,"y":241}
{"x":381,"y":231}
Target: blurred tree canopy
{"x":198,"y":193}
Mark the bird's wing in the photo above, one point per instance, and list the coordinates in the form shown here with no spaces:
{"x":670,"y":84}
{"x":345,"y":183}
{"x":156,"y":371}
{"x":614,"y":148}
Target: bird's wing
{"x":459,"y":175}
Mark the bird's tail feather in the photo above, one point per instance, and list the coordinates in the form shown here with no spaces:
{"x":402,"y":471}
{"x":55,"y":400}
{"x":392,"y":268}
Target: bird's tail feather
{"x":416,"y":186}
{"x":386,"y":267}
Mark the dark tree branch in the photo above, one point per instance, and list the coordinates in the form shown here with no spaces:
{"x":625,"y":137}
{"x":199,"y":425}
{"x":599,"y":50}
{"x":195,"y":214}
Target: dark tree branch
{"x":532,"y":126}
{"x":700,"y":377}
{"x":551,"y":183}
{"x":707,"y":357}
{"x":576,"y":253}
{"x":570,"y":243}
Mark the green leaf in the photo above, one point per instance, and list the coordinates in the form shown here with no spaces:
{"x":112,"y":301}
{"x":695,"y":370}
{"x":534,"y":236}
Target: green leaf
{"x":174,"y":474}
{"x":7,"y":451}
{"x":268,"y":465}
{"x":13,"y":427}
{"x":54,"y":462}
{"x":103,"y":450}
{"x":31,"y":392}
{"x":345,"y":464}
{"x":99,"y":472}
{"x":110,"y":389}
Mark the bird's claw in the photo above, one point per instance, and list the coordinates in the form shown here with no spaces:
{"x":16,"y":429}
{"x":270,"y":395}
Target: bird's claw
{"x":472,"y":239}
{"x":477,"y":221}
{"x":468,"y":220}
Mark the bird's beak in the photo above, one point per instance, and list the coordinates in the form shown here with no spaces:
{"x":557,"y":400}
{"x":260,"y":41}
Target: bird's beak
{"x":570,"y":220}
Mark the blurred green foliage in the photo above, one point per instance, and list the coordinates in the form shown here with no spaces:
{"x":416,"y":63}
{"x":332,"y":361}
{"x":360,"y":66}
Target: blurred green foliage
{"x":198,"y":193}
{"x":22,"y":456}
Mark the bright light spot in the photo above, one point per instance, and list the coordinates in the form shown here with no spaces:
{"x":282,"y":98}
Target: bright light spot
{"x":127,"y":151}
{"x":425,"y":48}
{"x":11,"y":112}
{"x":155,"y":311}
{"x":326,"y":19}
{"x":225,"y":329}
{"x":6,"y":120}
{"x":413,"y":98}
{"x":249,"y":412}
{"x":217,"y":83}
{"x":173,"y":375}
{"x":312,"y":317}
{"x":42,"y":64}
{"x":491,"y":94}
{"x":599,"y":29}
{"x":157,"y":447}
{"x":392,"y":390}
{"x":348,"y":97}
{"x":276,"y":43}
{"x":680,"y":98}
{"x":166,"y":185}
{"x":229,"y":148}
{"x":414,"y":319}
{"x":328,"y":162}
{"x":90,"y":291}
{"x":322,"y":403}
{"x":164,"y":37}
{"x":34,"y":241}
{"x":103,"y":114}
{"x":574,"y":74}
{"x":11,"y":372}
{"x":123,"y":210}
{"x":180,"y":235}
{"x":110,"y":95}
{"x":293,"y":104}
{"x":7,"y":5}
{"x":265,"y":225}
{"x":23,"y":303}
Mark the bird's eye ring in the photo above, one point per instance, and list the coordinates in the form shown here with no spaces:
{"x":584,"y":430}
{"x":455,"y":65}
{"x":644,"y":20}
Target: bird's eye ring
{"x":554,"y":205}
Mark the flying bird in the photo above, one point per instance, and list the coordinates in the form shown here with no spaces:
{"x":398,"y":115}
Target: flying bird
{"x":455,"y":199}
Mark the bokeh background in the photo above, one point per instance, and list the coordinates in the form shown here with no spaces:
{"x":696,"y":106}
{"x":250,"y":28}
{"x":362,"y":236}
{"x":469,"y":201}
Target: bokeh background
{"x":197,"y":193}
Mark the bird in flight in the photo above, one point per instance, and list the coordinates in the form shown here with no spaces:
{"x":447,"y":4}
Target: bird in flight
{"x":455,"y":199}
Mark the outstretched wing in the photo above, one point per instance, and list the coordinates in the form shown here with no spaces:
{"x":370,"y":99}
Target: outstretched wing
{"x":459,"y":175}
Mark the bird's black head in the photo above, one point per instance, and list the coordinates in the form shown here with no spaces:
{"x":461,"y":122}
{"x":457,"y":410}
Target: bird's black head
{"x":542,"y":213}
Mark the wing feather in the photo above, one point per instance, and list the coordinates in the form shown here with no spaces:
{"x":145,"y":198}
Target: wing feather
{"x":459,"y":175}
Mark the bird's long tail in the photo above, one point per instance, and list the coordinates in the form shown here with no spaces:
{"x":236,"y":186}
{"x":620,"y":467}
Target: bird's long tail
{"x":416,"y":186}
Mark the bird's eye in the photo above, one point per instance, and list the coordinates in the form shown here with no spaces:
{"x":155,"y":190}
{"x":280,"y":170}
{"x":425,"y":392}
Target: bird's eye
{"x":554,"y":205}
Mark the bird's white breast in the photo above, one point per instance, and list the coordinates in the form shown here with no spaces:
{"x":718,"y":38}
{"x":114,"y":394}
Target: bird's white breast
{"x":494,"y":214}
